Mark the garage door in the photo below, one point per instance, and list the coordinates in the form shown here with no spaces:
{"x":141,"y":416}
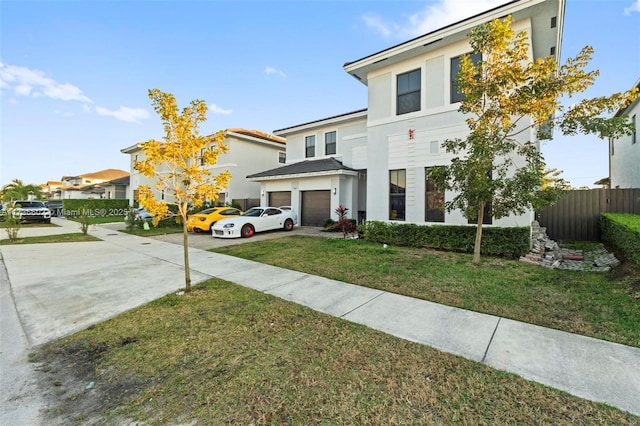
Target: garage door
{"x":316,"y":207}
{"x":279,"y":198}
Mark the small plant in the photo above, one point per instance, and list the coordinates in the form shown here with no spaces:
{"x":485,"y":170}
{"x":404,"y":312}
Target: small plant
{"x":344,"y":224}
{"x":84,"y":219}
{"x":12,"y":225}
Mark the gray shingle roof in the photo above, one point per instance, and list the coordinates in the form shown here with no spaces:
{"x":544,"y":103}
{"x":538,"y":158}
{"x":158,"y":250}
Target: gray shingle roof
{"x":307,"y":166}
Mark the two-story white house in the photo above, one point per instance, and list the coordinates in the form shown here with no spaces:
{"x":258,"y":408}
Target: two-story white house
{"x":375,"y":161}
{"x":624,"y":152}
{"x":249,"y":151}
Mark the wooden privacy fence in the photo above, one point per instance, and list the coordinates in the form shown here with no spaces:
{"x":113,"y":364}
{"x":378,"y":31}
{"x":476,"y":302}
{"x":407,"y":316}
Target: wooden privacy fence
{"x":576,"y":216}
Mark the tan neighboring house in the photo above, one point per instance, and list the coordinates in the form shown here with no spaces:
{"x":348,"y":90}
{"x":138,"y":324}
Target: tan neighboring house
{"x":51,"y":189}
{"x":250,"y":151}
{"x":87,"y":186}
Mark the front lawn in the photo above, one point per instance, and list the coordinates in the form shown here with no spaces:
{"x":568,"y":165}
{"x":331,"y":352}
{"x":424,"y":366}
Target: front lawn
{"x":151,"y":232}
{"x":99,"y":219}
{"x":227,"y":355}
{"x":60,"y":238}
{"x":605,"y":306}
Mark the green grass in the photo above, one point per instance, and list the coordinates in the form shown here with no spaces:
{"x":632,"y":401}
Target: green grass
{"x":605,"y":306}
{"x":60,"y":238}
{"x":153,"y":231}
{"x":32,"y":225}
{"x":231,"y":355}
{"x":99,"y":219}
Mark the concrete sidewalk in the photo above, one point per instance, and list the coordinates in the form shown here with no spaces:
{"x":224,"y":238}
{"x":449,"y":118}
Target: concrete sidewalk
{"x":61,"y":288}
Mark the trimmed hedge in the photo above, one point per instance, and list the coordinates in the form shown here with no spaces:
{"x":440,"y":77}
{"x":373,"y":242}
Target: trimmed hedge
{"x":94,"y":207}
{"x":503,"y":242}
{"x":622,"y":232}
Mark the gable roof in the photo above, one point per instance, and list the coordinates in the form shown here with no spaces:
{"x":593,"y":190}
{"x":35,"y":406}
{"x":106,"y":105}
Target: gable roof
{"x":539,"y":11}
{"x":257,"y":134}
{"x":307,"y":167}
{"x":622,"y":110}
{"x":106,"y":174}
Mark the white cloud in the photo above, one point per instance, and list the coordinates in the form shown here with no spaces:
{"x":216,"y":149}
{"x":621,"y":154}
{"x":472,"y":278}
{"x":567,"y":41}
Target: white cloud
{"x":436,"y":15}
{"x":86,"y":108}
{"x":271,"y":70}
{"x":217,"y":110}
{"x":64,"y":113}
{"x":130,"y":115}
{"x":28,"y":82}
{"x":635,"y":7}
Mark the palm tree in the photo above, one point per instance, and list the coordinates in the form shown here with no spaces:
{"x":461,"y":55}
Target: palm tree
{"x":17,"y":190}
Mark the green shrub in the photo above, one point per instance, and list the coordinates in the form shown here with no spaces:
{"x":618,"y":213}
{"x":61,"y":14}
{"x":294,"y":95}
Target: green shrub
{"x":504,"y":242}
{"x":12,"y":224}
{"x":622,"y":232}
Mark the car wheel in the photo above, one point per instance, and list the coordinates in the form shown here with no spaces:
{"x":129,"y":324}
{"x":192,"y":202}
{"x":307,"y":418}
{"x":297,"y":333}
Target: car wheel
{"x":247,"y":231}
{"x":47,"y":221}
{"x":197,"y":230}
{"x":288,"y":225}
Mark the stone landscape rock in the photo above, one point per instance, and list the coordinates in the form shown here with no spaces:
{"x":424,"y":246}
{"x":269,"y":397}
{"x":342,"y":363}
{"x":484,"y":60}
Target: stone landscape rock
{"x":549,"y":254}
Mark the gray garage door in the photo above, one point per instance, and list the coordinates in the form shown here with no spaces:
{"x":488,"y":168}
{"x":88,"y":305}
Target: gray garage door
{"x":279,"y":198}
{"x":316,"y":207}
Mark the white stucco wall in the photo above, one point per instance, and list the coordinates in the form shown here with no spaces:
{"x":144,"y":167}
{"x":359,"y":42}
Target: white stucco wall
{"x":624,"y":155}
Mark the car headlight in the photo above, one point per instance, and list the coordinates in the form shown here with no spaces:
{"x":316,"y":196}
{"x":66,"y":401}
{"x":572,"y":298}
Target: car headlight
{"x":228,"y":225}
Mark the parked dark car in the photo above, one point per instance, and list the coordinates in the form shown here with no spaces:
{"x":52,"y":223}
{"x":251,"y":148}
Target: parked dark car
{"x":55,"y":207}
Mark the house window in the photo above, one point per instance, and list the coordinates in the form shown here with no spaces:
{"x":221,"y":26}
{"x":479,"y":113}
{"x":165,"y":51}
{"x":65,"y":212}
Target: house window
{"x":487,"y":219}
{"x":310,"y":146}
{"x":202,"y":156}
{"x":434,"y":201}
{"x":408,"y":92}
{"x":282,"y":157}
{"x":330,"y":143}
{"x":397,"y":192}
{"x":162,"y":194}
{"x":456,"y":96}
{"x":635,"y":130}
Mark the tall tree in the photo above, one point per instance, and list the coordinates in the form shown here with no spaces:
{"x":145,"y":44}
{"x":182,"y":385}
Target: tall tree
{"x":17,"y":190}
{"x":181,"y":164}
{"x":506,"y":96}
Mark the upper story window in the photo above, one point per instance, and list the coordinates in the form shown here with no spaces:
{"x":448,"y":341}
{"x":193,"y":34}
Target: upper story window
{"x":310,"y":146}
{"x":282,"y":157}
{"x":456,"y":96}
{"x":330,"y":143}
{"x":408,"y":92}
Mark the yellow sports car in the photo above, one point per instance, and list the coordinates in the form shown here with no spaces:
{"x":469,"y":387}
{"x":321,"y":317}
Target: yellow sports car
{"x":202,"y":221}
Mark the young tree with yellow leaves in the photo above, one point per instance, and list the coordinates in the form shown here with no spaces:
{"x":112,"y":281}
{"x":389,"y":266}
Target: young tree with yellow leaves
{"x":180,"y":164}
{"x":505,"y":95}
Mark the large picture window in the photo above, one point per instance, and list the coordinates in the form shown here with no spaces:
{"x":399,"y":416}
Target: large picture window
{"x":434,"y":201}
{"x":330,"y":143}
{"x":456,"y":96}
{"x":408,"y":91}
{"x":397,"y":193}
{"x":310,"y":146}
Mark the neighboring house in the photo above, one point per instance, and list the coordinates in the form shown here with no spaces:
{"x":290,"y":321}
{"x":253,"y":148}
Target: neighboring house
{"x":51,"y":190}
{"x":624,"y":152}
{"x":249,"y":151}
{"x":115,"y":189}
{"x":375,"y":161}
{"x":85,"y":186}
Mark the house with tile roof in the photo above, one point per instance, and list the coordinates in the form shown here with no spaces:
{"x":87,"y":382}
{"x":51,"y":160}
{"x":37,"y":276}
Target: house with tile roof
{"x":375,"y":161}
{"x":249,"y":152}
{"x":84,"y":186}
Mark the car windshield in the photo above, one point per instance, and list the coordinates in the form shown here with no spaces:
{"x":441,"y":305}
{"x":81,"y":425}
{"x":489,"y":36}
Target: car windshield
{"x":255,"y":212}
{"x":27,"y":204}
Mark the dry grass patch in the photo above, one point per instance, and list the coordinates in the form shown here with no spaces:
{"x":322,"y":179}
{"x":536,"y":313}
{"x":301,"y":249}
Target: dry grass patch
{"x":230,"y":355}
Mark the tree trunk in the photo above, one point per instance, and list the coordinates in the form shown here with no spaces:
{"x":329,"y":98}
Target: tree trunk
{"x":185,"y":243}
{"x":476,"y":247}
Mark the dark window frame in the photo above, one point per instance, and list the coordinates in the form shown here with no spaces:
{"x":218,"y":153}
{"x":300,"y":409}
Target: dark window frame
{"x":397,"y":194}
{"x":282,"y":157}
{"x":454,"y":63}
{"x":433,"y":197}
{"x":310,"y":146}
{"x":333,"y":144}
{"x":408,"y":92}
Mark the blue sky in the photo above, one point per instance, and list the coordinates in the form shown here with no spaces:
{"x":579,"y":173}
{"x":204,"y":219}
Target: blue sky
{"x":74,"y":75}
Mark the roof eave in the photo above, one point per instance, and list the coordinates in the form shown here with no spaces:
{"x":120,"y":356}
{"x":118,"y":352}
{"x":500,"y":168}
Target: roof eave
{"x":344,"y":172}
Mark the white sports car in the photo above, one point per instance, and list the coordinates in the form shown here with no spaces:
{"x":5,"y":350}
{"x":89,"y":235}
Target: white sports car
{"x":256,"y":219}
